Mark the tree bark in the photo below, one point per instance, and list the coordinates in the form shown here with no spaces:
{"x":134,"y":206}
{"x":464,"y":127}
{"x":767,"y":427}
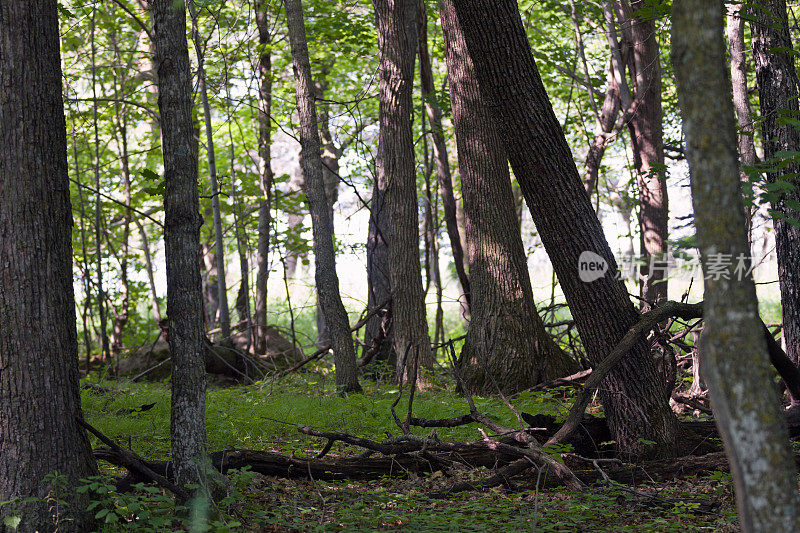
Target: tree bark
{"x":647,"y":137}
{"x":634,"y":397}
{"x":324,"y":253}
{"x":181,"y":245}
{"x":39,"y":399}
{"x":734,"y":354}
{"x":741,"y":99}
{"x":778,"y":94}
{"x":507,"y":346}
{"x":265,"y":176}
{"x":397,"y":41}
{"x":443,"y":175}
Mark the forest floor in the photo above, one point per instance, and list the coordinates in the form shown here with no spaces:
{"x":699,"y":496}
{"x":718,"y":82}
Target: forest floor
{"x":265,"y":416}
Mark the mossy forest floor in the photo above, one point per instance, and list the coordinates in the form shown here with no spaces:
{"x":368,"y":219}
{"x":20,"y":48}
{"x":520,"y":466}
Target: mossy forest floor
{"x":265,"y":417}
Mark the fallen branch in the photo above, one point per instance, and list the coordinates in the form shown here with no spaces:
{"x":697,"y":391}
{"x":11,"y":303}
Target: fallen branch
{"x":786,"y":369}
{"x":133,"y":463}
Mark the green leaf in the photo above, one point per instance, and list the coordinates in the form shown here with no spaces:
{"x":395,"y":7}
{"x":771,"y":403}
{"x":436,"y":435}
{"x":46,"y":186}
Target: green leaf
{"x":12,"y":521}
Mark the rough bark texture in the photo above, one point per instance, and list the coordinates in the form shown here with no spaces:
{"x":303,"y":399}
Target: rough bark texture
{"x":443,"y":175}
{"x":741,"y":99}
{"x":634,"y":396}
{"x":506,"y":345}
{"x":39,"y":400}
{"x":647,"y":136}
{"x":734,"y":353}
{"x":181,"y":244}
{"x":778,"y":94}
{"x":396,"y":21}
{"x":311,"y":161}
{"x":265,"y":175}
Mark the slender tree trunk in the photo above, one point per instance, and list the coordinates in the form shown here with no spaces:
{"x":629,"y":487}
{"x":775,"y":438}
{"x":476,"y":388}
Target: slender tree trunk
{"x":397,"y":42}
{"x":219,"y":239}
{"x":778,"y":94}
{"x":87,"y":286}
{"x":633,"y":396}
{"x":148,"y":265}
{"x":208,"y":264}
{"x":647,"y":136}
{"x":431,"y":231}
{"x":443,"y":175}
{"x":734,"y":359}
{"x":507,"y":346}
{"x":311,"y":161}
{"x":182,"y":243}
{"x":98,"y":214}
{"x":741,"y":99}
{"x":604,"y":132}
{"x":122,"y":314}
{"x":265,"y":176}
{"x":39,"y":399}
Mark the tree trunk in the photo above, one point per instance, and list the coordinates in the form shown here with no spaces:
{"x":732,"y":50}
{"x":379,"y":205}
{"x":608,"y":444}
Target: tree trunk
{"x":604,"y":131}
{"x":647,"y":136}
{"x":397,"y":42}
{"x":181,"y":245}
{"x":741,"y":100}
{"x":324,"y":253}
{"x":443,"y":174}
{"x":634,"y":396}
{"x":219,"y":241}
{"x":265,"y":176}
{"x":506,"y":345}
{"x":734,"y":359}
{"x":98,"y":211}
{"x":39,"y":399}
{"x":778,"y":93}
{"x":148,"y":265}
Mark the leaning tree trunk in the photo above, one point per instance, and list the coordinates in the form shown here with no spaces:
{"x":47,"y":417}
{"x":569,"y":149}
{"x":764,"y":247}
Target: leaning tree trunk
{"x":506,"y":345}
{"x":443,"y":174}
{"x":324,"y":254}
{"x":39,"y":400}
{"x":634,"y":397}
{"x":734,"y":353}
{"x":778,"y":93}
{"x":647,"y":136}
{"x":182,"y":223}
{"x":397,"y":41}
{"x":265,"y":176}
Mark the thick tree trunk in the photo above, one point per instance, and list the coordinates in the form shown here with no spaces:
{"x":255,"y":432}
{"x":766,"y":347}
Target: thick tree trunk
{"x":634,"y":396}
{"x":741,"y":99}
{"x":324,"y":253}
{"x":647,"y":136}
{"x":734,"y":353}
{"x":181,"y":245}
{"x":778,"y":94}
{"x":397,"y":40}
{"x":39,"y":400}
{"x":506,"y":345}
{"x":443,"y":174}
{"x":378,"y":333}
{"x":265,"y":176}
{"x":219,"y":240}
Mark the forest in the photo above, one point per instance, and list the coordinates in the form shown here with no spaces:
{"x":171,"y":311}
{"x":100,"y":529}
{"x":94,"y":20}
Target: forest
{"x":399,"y":265}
